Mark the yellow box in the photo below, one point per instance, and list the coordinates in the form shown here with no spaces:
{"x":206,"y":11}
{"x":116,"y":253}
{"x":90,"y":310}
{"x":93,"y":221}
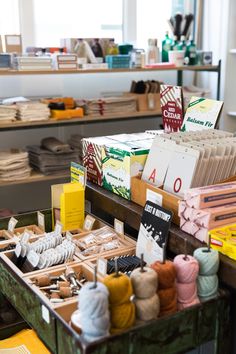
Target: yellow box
{"x":69,"y":200}
{"x":223,"y":239}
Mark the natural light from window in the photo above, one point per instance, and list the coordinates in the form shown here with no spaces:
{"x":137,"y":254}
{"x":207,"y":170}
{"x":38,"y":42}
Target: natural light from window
{"x":55,"y":19}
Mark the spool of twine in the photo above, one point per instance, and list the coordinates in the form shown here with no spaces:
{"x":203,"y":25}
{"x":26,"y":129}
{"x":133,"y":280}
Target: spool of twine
{"x":147,"y":309}
{"x":146,"y":300}
{"x":208,"y":261}
{"x":122,"y":310}
{"x":207,"y":281}
{"x":144,"y":283}
{"x":166,"y":287}
{"x":187,"y":268}
{"x":166,"y":274}
{"x":207,"y":286}
{"x":94,"y":311}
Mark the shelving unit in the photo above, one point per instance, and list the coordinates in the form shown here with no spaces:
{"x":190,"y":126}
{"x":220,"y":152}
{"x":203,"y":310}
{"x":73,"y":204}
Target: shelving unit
{"x":213,"y":68}
{"x":179,"y":70}
{"x":18,"y":125}
{"x":36,"y":177}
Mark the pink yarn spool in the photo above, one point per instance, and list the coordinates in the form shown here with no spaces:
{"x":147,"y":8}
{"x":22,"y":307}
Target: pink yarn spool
{"x":186,"y":293}
{"x":187,"y":268}
{"x":182,"y":306}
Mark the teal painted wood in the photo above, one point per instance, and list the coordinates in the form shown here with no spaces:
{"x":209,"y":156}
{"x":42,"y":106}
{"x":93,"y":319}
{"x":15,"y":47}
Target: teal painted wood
{"x":168,"y":335}
{"x":29,"y":219}
{"x":28,"y":305}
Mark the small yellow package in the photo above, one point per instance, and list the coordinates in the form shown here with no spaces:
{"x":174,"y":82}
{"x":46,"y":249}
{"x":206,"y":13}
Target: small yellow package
{"x":68,"y":204}
{"x":224,"y":240}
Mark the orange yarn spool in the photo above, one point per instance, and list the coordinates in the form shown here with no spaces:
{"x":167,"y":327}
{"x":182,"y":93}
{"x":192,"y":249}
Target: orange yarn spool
{"x":166,"y":287}
{"x":166,"y":274}
{"x":168,"y":297}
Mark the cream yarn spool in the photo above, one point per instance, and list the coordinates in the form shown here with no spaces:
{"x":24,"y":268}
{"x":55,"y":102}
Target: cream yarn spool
{"x":147,"y":309}
{"x":144,"y":283}
{"x":146,"y":300}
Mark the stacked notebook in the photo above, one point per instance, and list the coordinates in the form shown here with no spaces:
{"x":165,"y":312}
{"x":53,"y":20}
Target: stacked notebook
{"x":52,"y":157}
{"x":14,"y":165}
{"x":112,"y":105}
{"x":32,"y":111}
{"x":34,"y":63}
{"x":66,"y":62}
{"x":7,"y":113}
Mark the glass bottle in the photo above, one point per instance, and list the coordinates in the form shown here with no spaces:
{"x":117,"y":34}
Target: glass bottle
{"x":152,"y":52}
{"x":166,"y":46}
{"x":174,"y":45}
{"x":191,"y":52}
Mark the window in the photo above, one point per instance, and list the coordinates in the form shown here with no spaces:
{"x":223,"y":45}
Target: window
{"x":57,"y":19}
{"x":9,"y":17}
{"x":152,"y":16}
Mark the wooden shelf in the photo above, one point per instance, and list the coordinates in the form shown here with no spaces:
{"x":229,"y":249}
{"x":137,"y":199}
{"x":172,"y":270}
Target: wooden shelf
{"x":75,"y":121}
{"x":36,"y":177}
{"x":95,"y":71}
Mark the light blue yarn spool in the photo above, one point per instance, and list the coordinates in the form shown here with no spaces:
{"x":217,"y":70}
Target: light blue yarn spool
{"x":94,"y":311}
{"x":208,"y":261}
{"x":207,"y":286}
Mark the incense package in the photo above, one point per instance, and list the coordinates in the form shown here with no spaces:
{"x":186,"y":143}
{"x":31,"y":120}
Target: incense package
{"x":172,"y":107}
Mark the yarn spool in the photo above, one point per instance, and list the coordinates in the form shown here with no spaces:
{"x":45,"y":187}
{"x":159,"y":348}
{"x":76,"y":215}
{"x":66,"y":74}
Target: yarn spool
{"x":207,"y":286}
{"x":122,"y":310}
{"x":94,"y":312}
{"x":208,"y":260}
{"x":168,"y":298}
{"x":187,"y":269}
{"x":166,"y":274}
{"x":147,"y":303}
{"x":75,"y":321}
{"x":207,"y":281}
{"x":144,"y":282}
{"x":167,"y":289}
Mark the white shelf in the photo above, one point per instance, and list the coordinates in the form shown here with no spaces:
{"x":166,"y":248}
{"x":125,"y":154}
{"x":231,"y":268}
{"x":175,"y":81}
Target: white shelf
{"x":232,"y":114}
{"x":233,"y":51}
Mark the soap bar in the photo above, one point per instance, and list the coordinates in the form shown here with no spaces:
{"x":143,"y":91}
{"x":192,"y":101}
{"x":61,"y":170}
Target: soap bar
{"x":211,"y":196}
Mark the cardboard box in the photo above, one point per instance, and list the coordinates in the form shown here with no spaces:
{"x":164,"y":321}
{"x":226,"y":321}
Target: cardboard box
{"x":69,"y":199}
{"x":146,"y":101}
{"x":92,"y":157}
{"x":140,"y":190}
{"x":120,"y":162}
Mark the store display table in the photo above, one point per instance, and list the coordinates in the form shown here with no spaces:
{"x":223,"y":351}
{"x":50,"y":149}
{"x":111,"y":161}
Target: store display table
{"x":109,"y":206}
{"x":173,"y":334}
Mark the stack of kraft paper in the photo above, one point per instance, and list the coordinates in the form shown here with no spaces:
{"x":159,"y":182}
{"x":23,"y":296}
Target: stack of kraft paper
{"x":7,"y":113}
{"x":32,"y":111}
{"x":14,"y":165}
{"x":207,"y":208}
